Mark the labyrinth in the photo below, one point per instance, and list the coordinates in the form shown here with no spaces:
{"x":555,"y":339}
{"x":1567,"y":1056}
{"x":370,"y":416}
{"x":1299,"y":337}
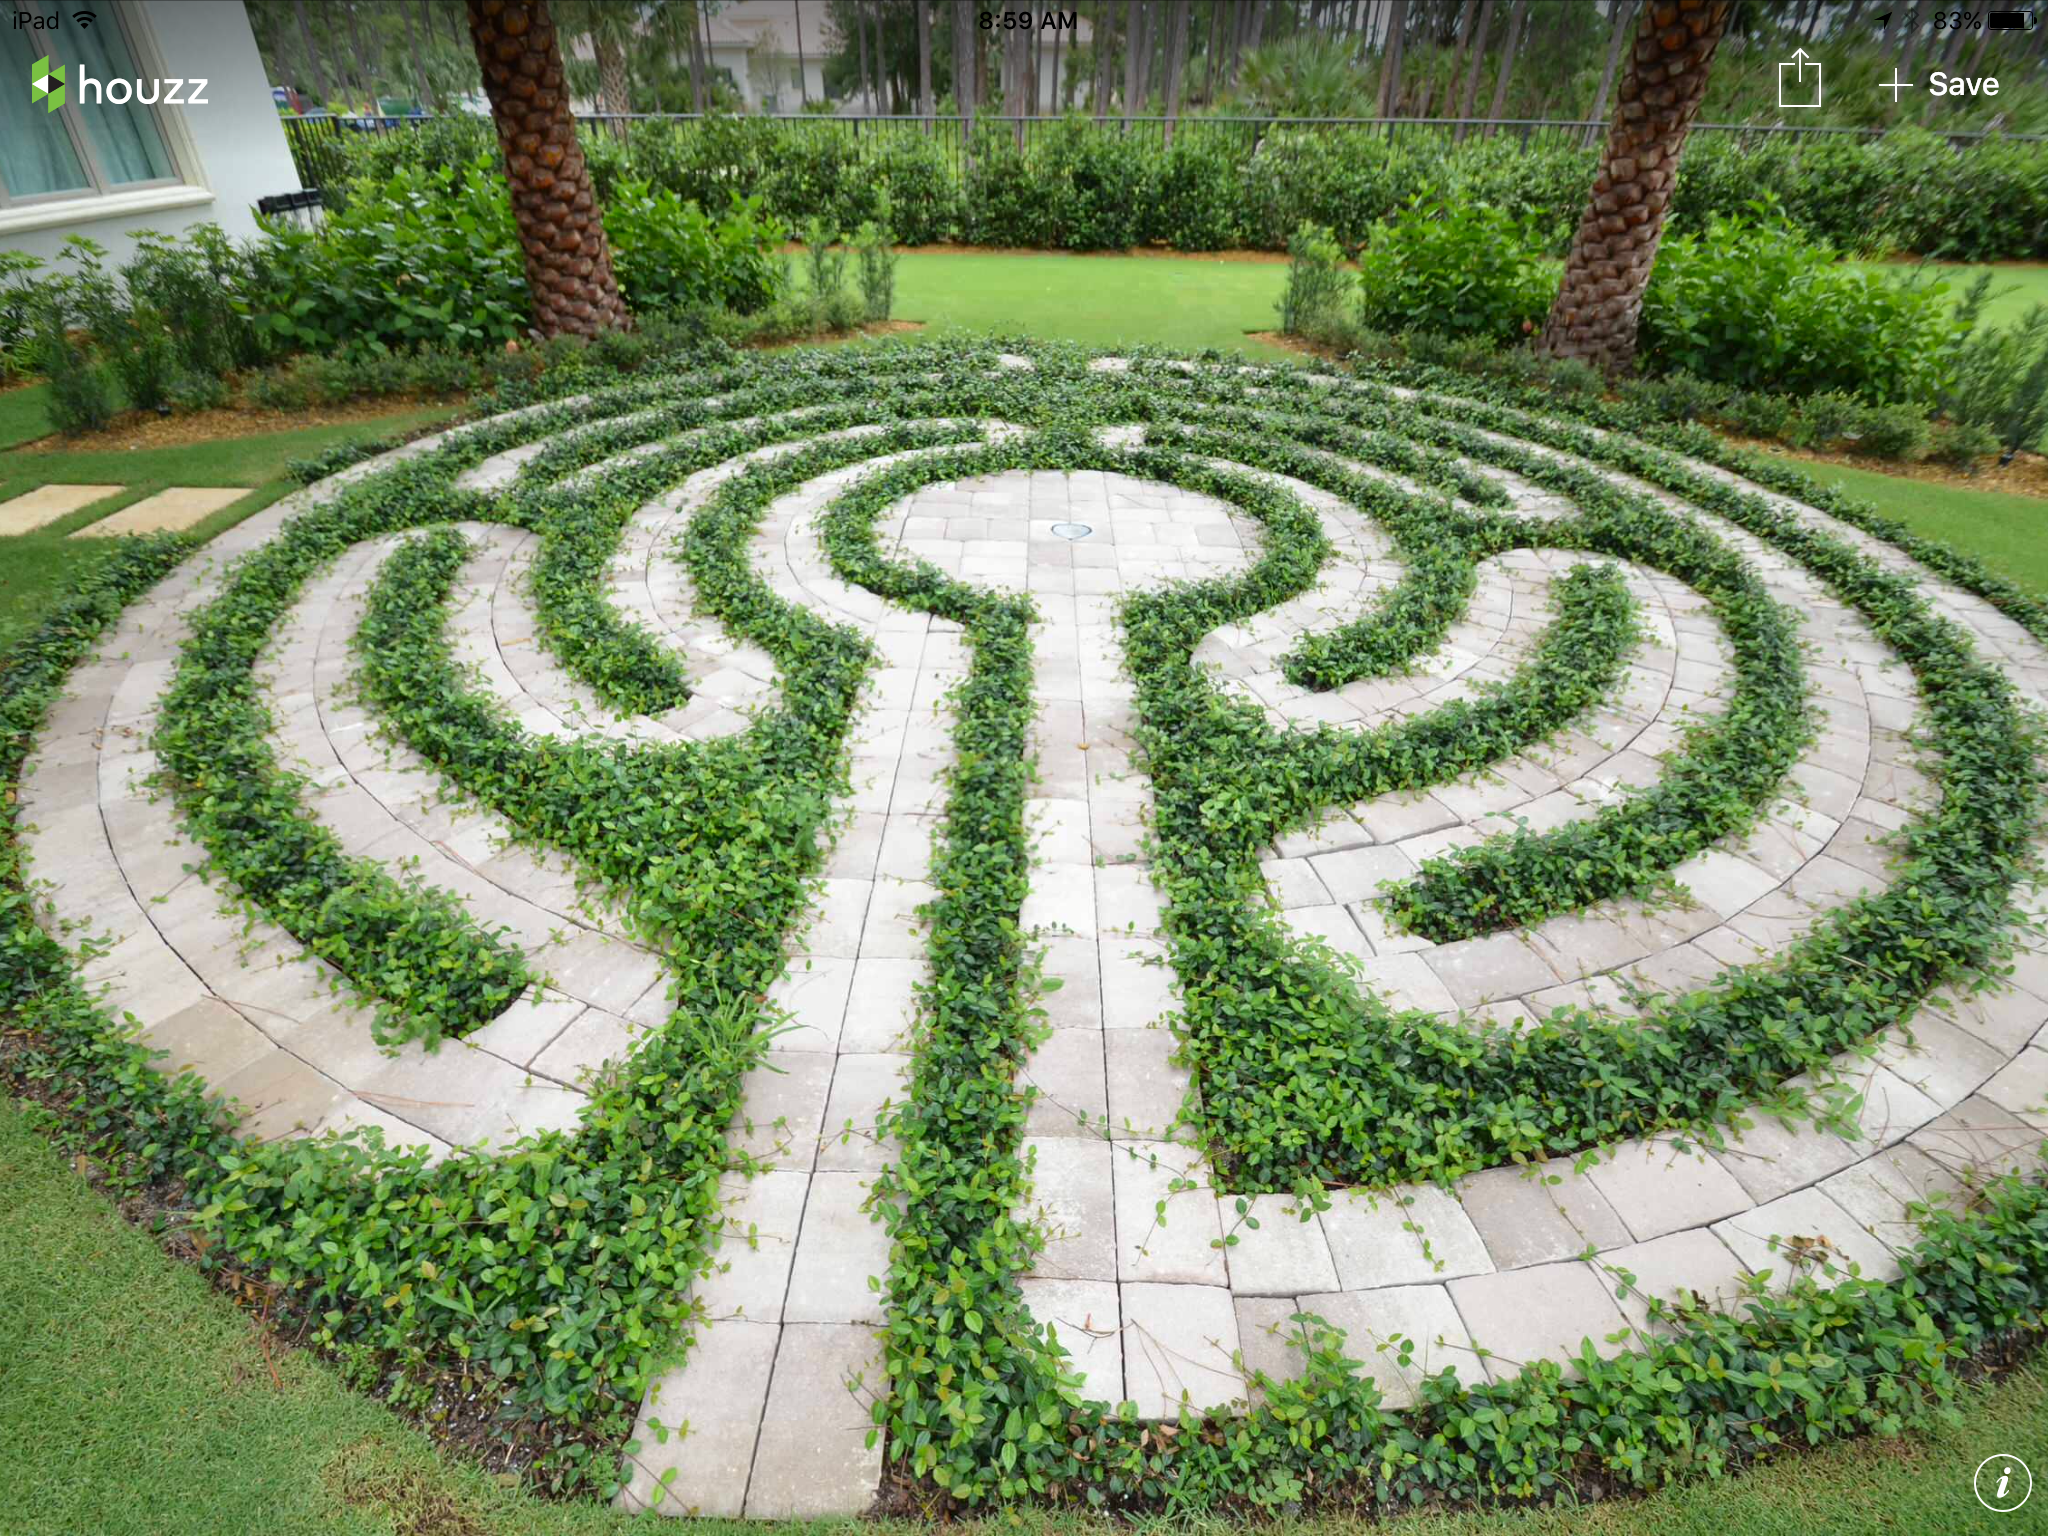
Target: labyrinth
{"x":948,"y":926}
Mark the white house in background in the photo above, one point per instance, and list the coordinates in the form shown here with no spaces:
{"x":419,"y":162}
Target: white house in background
{"x":756,"y":41}
{"x":108,"y":169}
{"x":778,"y":68}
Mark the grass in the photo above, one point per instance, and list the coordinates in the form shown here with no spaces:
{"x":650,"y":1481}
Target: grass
{"x":2017,"y":287}
{"x":1999,"y":528}
{"x":1185,"y":302}
{"x":35,"y":566}
{"x":137,"y":1401}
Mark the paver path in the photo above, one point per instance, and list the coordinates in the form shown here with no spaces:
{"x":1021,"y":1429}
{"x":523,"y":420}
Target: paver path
{"x":1509,"y":1265}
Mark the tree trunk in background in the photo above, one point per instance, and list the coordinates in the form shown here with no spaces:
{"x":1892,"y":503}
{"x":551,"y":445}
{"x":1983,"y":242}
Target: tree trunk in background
{"x":1624,"y":14}
{"x":1104,"y":36}
{"x":1465,"y":19}
{"x":1176,"y":65}
{"x":699,"y":86}
{"x":925,"y":105}
{"x":803,"y":69}
{"x":882,"y":96}
{"x":1601,"y":297}
{"x":412,"y":52}
{"x":1389,"y":103}
{"x":1057,"y":104}
{"x":1517,"y":19}
{"x":1255,"y":28}
{"x":366,"y":84}
{"x":860,"y":37}
{"x":613,"y":87}
{"x":1212,"y":41}
{"x":1134,"y":44}
{"x":1950,"y":57}
{"x":568,"y":263}
{"x":312,"y":52}
{"x":1470,"y":95}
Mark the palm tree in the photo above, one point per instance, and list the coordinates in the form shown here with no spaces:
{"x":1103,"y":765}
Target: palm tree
{"x":568,"y":262}
{"x":1601,"y":297}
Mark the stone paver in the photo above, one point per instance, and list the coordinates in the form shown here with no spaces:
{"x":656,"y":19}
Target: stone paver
{"x":169,"y":511}
{"x":47,"y":503}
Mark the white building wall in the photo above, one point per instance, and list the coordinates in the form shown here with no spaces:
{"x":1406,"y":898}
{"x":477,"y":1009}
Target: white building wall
{"x":231,"y":151}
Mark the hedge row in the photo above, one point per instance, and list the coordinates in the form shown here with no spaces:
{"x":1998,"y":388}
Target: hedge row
{"x":1081,"y":187}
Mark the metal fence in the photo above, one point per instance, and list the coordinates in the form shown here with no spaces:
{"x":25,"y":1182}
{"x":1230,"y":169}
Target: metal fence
{"x":317,"y":141}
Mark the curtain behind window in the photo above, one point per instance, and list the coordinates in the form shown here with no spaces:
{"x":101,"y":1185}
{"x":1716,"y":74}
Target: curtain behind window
{"x":125,"y":138}
{"x":36,"y":156}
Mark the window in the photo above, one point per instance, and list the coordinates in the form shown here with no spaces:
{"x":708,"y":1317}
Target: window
{"x":83,"y":149}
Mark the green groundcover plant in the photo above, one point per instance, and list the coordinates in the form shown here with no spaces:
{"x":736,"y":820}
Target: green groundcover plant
{"x":553,"y":1273}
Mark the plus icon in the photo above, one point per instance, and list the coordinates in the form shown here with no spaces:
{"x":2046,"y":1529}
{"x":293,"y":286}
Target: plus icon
{"x":1896,"y":85}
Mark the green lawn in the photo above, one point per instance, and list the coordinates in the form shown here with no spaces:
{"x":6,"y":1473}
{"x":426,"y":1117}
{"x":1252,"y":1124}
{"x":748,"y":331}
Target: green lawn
{"x":2015,"y":290}
{"x":1188,"y":302}
{"x":136,"y":1401}
{"x":34,"y":565}
{"x":1999,"y":528}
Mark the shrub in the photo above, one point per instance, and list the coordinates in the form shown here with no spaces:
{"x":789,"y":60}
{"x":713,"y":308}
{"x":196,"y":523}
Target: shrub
{"x":1193,"y":199}
{"x":1754,"y":303}
{"x":824,"y":266}
{"x":428,"y":255}
{"x":668,"y":252}
{"x":1760,"y":413}
{"x":1826,"y":418}
{"x":1318,"y":288}
{"x":2000,"y":386}
{"x":83,"y":394}
{"x":1962,"y":443}
{"x":1676,"y":397}
{"x":1895,"y":432}
{"x":877,"y":258}
{"x":1455,"y":271}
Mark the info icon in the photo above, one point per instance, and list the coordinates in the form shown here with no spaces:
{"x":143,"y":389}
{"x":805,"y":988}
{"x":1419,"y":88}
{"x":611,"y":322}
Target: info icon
{"x":2002,"y":1483}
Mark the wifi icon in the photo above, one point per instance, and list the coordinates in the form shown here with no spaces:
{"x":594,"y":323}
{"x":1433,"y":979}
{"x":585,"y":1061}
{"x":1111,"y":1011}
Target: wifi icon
{"x":84,"y":20}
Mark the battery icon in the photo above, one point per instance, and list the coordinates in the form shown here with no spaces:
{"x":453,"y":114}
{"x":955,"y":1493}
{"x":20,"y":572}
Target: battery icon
{"x":2008,"y":21}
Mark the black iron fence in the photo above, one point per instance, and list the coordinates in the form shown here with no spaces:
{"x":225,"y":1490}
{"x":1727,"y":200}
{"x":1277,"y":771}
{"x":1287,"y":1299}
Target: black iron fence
{"x":318,"y":141}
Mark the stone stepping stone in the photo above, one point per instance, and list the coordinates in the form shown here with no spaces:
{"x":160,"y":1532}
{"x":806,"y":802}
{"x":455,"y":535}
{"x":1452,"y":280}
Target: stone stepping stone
{"x":47,"y":503}
{"x":166,"y":512}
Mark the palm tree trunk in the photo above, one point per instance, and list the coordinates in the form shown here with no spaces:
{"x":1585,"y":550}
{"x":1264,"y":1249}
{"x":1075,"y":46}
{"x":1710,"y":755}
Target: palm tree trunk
{"x":1517,"y":19}
{"x":1134,"y":44}
{"x":1601,"y":297}
{"x":1624,"y":13}
{"x":568,"y":262}
{"x":1465,"y":19}
{"x":614,"y":88}
{"x":1389,"y":103}
{"x":697,"y":97}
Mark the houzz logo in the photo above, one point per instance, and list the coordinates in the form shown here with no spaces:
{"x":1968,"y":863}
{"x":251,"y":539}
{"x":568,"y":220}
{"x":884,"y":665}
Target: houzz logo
{"x":41,"y":74}
{"x":46,"y":82}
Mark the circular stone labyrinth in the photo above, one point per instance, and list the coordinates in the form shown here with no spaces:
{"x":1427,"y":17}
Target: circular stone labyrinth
{"x":910,"y":888}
